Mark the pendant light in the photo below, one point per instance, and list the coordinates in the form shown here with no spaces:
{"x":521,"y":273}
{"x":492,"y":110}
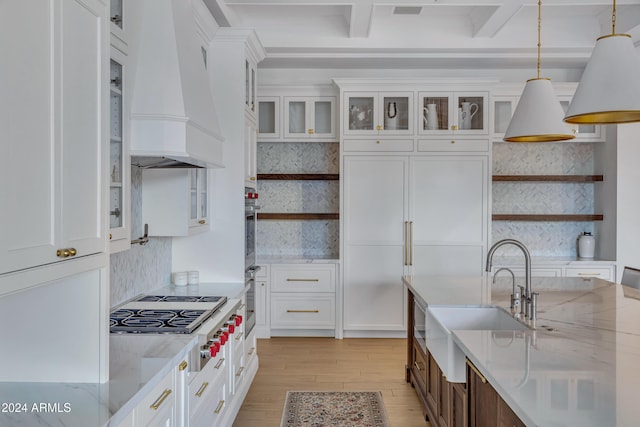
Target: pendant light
{"x":609,"y":91}
{"x":538,"y":116}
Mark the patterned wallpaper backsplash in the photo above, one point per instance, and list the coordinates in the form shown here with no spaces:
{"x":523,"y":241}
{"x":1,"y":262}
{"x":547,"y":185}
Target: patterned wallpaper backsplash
{"x":298,"y":238}
{"x":141,"y":268}
{"x":542,"y":238}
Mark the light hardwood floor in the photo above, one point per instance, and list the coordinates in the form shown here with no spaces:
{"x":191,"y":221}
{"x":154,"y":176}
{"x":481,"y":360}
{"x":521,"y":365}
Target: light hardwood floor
{"x":328,"y":364}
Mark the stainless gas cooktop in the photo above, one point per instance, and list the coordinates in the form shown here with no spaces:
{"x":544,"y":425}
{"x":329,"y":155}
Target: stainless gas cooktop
{"x":168,"y":314}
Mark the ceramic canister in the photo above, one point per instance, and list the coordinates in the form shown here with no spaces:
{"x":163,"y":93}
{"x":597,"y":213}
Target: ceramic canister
{"x":180,"y":278}
{"x":586,"y":245}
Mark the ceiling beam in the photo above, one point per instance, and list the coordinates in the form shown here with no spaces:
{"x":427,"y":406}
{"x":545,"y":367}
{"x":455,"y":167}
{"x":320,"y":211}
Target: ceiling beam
{"x":360,"y":19}
{"x":490,"y":24}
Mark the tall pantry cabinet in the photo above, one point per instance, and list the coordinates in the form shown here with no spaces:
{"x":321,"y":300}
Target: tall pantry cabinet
{"x":53,"y":163}
{"x":412,"y":202}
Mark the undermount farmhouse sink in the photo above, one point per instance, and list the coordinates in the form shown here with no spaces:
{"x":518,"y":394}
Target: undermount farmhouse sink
{"x":442,"y":320}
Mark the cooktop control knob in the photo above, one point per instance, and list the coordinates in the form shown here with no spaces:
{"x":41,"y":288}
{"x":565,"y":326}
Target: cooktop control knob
{"x":238,"y":320}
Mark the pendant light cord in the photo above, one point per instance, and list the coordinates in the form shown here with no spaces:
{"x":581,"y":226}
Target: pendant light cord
{"x":539,"y":25}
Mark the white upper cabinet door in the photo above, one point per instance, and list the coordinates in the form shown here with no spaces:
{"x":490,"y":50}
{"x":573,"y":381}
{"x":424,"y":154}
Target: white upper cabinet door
{"x":378,"y":113}
{"x":269,"y":117}
{"x":54,"y":118}
{"x":309,"y":117}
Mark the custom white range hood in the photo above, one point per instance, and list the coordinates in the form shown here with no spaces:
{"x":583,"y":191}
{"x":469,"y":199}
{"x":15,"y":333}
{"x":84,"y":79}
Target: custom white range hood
{"x":173,"y":118}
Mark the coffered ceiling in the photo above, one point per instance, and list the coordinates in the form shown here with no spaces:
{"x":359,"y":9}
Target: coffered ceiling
{"x":426,"y":33}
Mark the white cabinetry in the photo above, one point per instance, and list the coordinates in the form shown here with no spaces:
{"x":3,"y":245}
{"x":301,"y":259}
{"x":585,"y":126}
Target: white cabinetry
{"x":297,"y":113}
{"x":378,"y":113}
{"x":550,"y":267}
{"x":158,"y":407}
{"x":453,"y":112}
{"x":54,"y":119}
{"x":174,"y":201}
{"x":309,"y":117}
{"x":303,"y":299}
{"x":119,"y":160}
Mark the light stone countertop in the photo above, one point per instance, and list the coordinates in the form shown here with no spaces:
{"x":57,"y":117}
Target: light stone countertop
{"x":294,"y":260}
{"x":137,"y":362}
{"x":581,"y":366}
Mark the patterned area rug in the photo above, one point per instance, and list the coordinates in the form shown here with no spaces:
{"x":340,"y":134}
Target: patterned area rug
{"x":334,"y":409}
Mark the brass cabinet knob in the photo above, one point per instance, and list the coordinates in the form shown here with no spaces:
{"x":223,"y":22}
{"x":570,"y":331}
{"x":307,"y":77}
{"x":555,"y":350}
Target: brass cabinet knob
{"x":253,"y":178}
{"x":310,"y":131}
{"x":377,"y":142}
{"x":379,"y":127}
{"x":73,"y":251}
{"x":453,"y":142}
{"x":202,"y":221}
{"x":454,"y":127}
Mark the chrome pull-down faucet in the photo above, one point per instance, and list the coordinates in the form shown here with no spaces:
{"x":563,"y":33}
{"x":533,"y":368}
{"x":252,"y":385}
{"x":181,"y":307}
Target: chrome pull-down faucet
{"x":528,"y":309}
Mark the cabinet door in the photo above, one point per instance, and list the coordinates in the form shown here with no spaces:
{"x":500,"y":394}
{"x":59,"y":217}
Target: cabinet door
{"x":360,"y":113}
{"x":322,"y":114}
{"x":119,"y":160}
{"x":453,"y":112}
{"x":584,"y":132}
{"x":502,"y":109}
{"x":448,"y":211}
{"x":458,"y":405}
{"x":374,"y":242}
{"x":395,"y":113}
{"x":269,"y":117}
{"x":250,"y":81}
{"x":482,"y":400}
{"x":250,"y":155}
{"x":55,"y":116}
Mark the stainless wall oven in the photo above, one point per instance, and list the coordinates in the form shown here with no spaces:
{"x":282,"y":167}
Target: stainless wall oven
{"x":250,"y":223}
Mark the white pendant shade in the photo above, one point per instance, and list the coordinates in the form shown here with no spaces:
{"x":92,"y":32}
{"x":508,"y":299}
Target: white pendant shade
{"x":609,"y":91}
{"x":538,"y":116}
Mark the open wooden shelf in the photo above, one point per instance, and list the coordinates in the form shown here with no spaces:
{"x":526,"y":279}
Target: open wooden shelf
{"x":546,"y":217}
{"x":548,"y":178}
{"x":297,"y":215}
{"x":300,"y":176}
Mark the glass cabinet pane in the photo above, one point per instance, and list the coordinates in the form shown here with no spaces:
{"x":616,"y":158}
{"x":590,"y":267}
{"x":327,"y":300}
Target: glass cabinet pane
{"x":361,"y":110}
{"x":193,"y":194}
{"x":247,"y":83}
{"x":115,"y":146}
{"x":323,"y":116}
{"x":116,"y":12}
{"x":297,"y":117}
{"x":253,"y":89}
{"x":503,"y":111}
{"x":470,"y":113}
{"x":435,"y":113}
{"x":396,"y":113}
{"x":202,"y":179}
{"x":267,"y":117}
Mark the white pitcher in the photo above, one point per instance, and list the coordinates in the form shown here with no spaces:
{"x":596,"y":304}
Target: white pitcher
{"x":468,"y":111}
{"x":430,"y":117}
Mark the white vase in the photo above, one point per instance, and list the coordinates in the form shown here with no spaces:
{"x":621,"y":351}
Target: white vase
{"x":586,"y":245}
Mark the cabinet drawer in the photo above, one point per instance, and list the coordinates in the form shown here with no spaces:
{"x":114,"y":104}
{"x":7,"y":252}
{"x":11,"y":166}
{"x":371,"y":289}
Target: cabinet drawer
{"x":159,"y":400}
{"x":205,"y":382}
{"x":213,"y":405}
{"x":303,"y":311}
{"x":303,"y":278}
{"x":453,"y":144}
{"x":378,"y":145}
{"x":598,"y":272}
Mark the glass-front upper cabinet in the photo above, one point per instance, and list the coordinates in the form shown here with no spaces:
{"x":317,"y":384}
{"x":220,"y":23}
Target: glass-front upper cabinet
{"x":119,"y":162}
{"x":453,"y":112}
{"x":309,"y":117}
{"x":586,"y":132}
{"x":250,"y":90}
{"x":378,"y":113}
{"x":503,"y":107}
{"x":198,"y":197}
{"x":268,"y":117}
{"x":116,"y":13}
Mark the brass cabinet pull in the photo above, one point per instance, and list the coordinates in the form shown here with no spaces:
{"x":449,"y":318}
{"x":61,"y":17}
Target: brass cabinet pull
{"x":453,"y":142}
{"x":202,"y":221}
{"x":406,"y":242}
{"x":415,"y":362}
{"x":66,"y":252}
{"x":183,"y":365}
{"x":474,"y":369}
{"x":155,"y":405}
{"x":253,"y":178}
{"x":240,"y":371}
{"x":202,"y":389}
{"x":377,"y":142}
{"x":220,"y":406}
{"x":588,"y":274}
{"x":379,"y":127}
{"x":250,"y":352}
{"x":303,"y":311}
{"x":220,"y":362}
{"x":239,"y":337}
{"x":454,"y":127}
{"x":302,"y":280}
{"x":310,"y":131}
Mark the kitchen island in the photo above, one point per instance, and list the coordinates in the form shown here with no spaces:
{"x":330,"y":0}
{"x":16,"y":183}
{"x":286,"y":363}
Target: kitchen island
{"x":578,"y":367}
